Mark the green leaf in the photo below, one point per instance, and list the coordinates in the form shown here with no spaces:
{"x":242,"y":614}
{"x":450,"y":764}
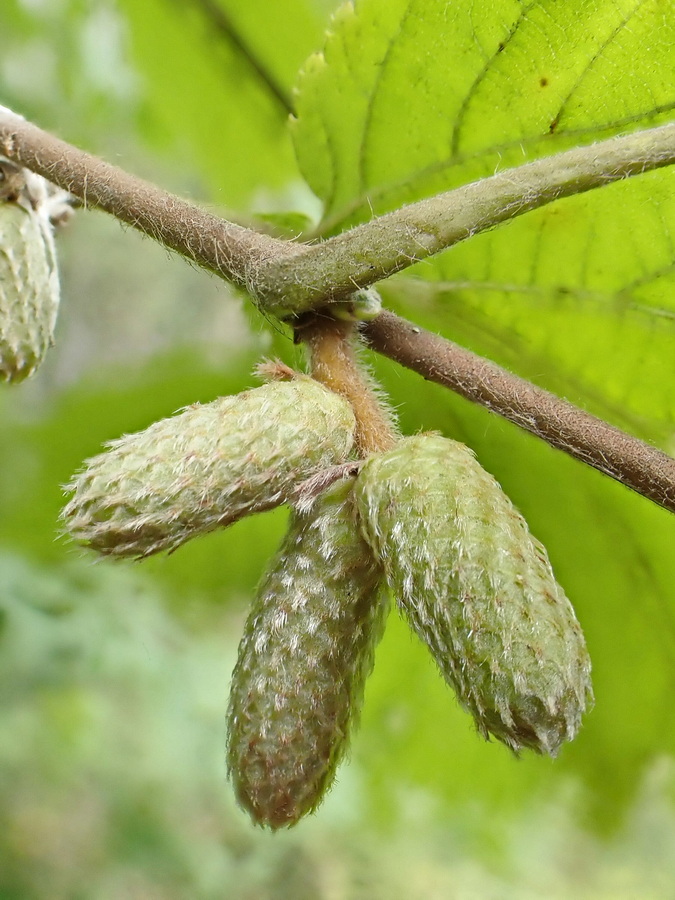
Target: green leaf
{"x":577,"y":295}
{"x":222,"y":92}
{"x":410,"y":98}
{"x":286,"y":225}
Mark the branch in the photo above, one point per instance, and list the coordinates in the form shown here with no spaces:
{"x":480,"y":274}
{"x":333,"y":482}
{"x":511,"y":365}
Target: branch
{"x":366,"y":254}
{"x":231,"y":251}
{"x":287,"y":279}
{"x":639,"y":466}
{"x":332,"y":346}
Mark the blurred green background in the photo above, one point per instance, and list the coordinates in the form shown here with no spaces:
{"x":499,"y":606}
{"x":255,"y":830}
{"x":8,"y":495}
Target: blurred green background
{"x":114,"y":677}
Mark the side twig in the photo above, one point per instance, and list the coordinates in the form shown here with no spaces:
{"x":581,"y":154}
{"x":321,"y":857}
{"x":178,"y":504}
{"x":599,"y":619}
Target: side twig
{"x":634,"y":463}
{"x":332,"y":349}
{"x":330,"y":270}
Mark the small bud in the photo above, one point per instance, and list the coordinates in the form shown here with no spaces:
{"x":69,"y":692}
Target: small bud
{"x":306,"y":652}
{"x":478,"y":589}
{"x":361,"y":306}
{"x":29,"y":284}
{"x":207,"y":467}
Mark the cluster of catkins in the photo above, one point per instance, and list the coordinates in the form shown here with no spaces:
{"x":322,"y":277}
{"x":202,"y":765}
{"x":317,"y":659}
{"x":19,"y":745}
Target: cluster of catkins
{"x":29,"y":282}
{"x":422,"y":522}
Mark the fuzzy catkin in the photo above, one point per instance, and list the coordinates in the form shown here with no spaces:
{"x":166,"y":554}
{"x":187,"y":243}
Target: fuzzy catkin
{"x":29,"y":283}
{"x":207,"y":467}
{"x":303,"y":661}
{"x":478,"y":589}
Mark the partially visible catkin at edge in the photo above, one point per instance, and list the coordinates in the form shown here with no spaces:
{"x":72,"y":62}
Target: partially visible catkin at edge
{"x":479,"y":590}
{"x":303,"y":661}
{"x":207,"y":467}
{"x":29,"y":282}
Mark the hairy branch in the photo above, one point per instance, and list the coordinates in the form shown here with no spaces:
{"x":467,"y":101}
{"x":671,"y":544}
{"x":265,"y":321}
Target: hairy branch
{"x":389,"y":243}
{"x":229,"y":250}
{"x":287,"y":278}
{"x":634,"y":463}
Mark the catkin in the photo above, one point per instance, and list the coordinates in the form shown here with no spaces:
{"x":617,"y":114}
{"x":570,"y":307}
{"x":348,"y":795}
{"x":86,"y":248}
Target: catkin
{"x":478,"y":589}
{"x":307,"y":649}
{"x":207,"y":467}
{"x":29,"y":282}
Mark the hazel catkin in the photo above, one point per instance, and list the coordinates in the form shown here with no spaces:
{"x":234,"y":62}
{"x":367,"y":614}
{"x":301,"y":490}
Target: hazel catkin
{"x":29,"y":282}
{"x":207,"y":467}
{"x":307,"y":649}
{"x":478,"y":589}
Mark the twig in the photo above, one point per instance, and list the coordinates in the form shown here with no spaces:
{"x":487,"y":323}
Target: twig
{"x":368,"y":253}
{"x":331,"y":345}
{"x":639,"y":466}
{"x":287,"y":279}
{"x":229,"y":250}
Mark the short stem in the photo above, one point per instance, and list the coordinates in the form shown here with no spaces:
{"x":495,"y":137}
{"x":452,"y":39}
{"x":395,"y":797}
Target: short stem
{"x":333,"y":361}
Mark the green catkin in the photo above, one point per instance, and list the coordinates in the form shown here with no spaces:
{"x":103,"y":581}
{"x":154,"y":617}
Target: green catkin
{"x":29,"y":283}
{"x":306,"y":652}
{"x":478,"y":589}
{"x":207,"y":467}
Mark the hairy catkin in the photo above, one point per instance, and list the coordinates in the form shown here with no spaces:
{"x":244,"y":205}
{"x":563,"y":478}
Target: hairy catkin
{"x":307,"y":649}
{"x":29,"y":282}
{"x":207,"y":467}
{"x":478,"y":589}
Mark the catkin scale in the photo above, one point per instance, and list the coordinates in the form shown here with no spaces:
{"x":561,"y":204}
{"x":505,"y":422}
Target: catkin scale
{"x":29,"y":284}
{"x":307,"y":649}
{"x":478,"y":589}
{"x":207,"y":467}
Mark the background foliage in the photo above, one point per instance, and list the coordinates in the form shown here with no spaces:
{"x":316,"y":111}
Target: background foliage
{"x":114,"y":678}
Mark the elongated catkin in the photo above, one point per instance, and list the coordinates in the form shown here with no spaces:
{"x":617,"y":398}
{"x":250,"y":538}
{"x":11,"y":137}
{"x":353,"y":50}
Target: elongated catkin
{"x":303,"y":660}
{"x":478,"y":589}
{"x":29,"y":281}
{"x":207,"y":467}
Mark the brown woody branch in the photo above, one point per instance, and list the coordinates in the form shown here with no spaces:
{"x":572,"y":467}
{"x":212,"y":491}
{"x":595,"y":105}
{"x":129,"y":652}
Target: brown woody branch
{"x":634,"y":463}
{"x":285,"y":277}
{"x":231,"y":251}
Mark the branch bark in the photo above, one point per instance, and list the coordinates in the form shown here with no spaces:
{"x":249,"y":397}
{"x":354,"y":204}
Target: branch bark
{"x":231,"y":251}
{"x":330,"y":270}
{"x":639,"y":466}
{"x":286,"y":278}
